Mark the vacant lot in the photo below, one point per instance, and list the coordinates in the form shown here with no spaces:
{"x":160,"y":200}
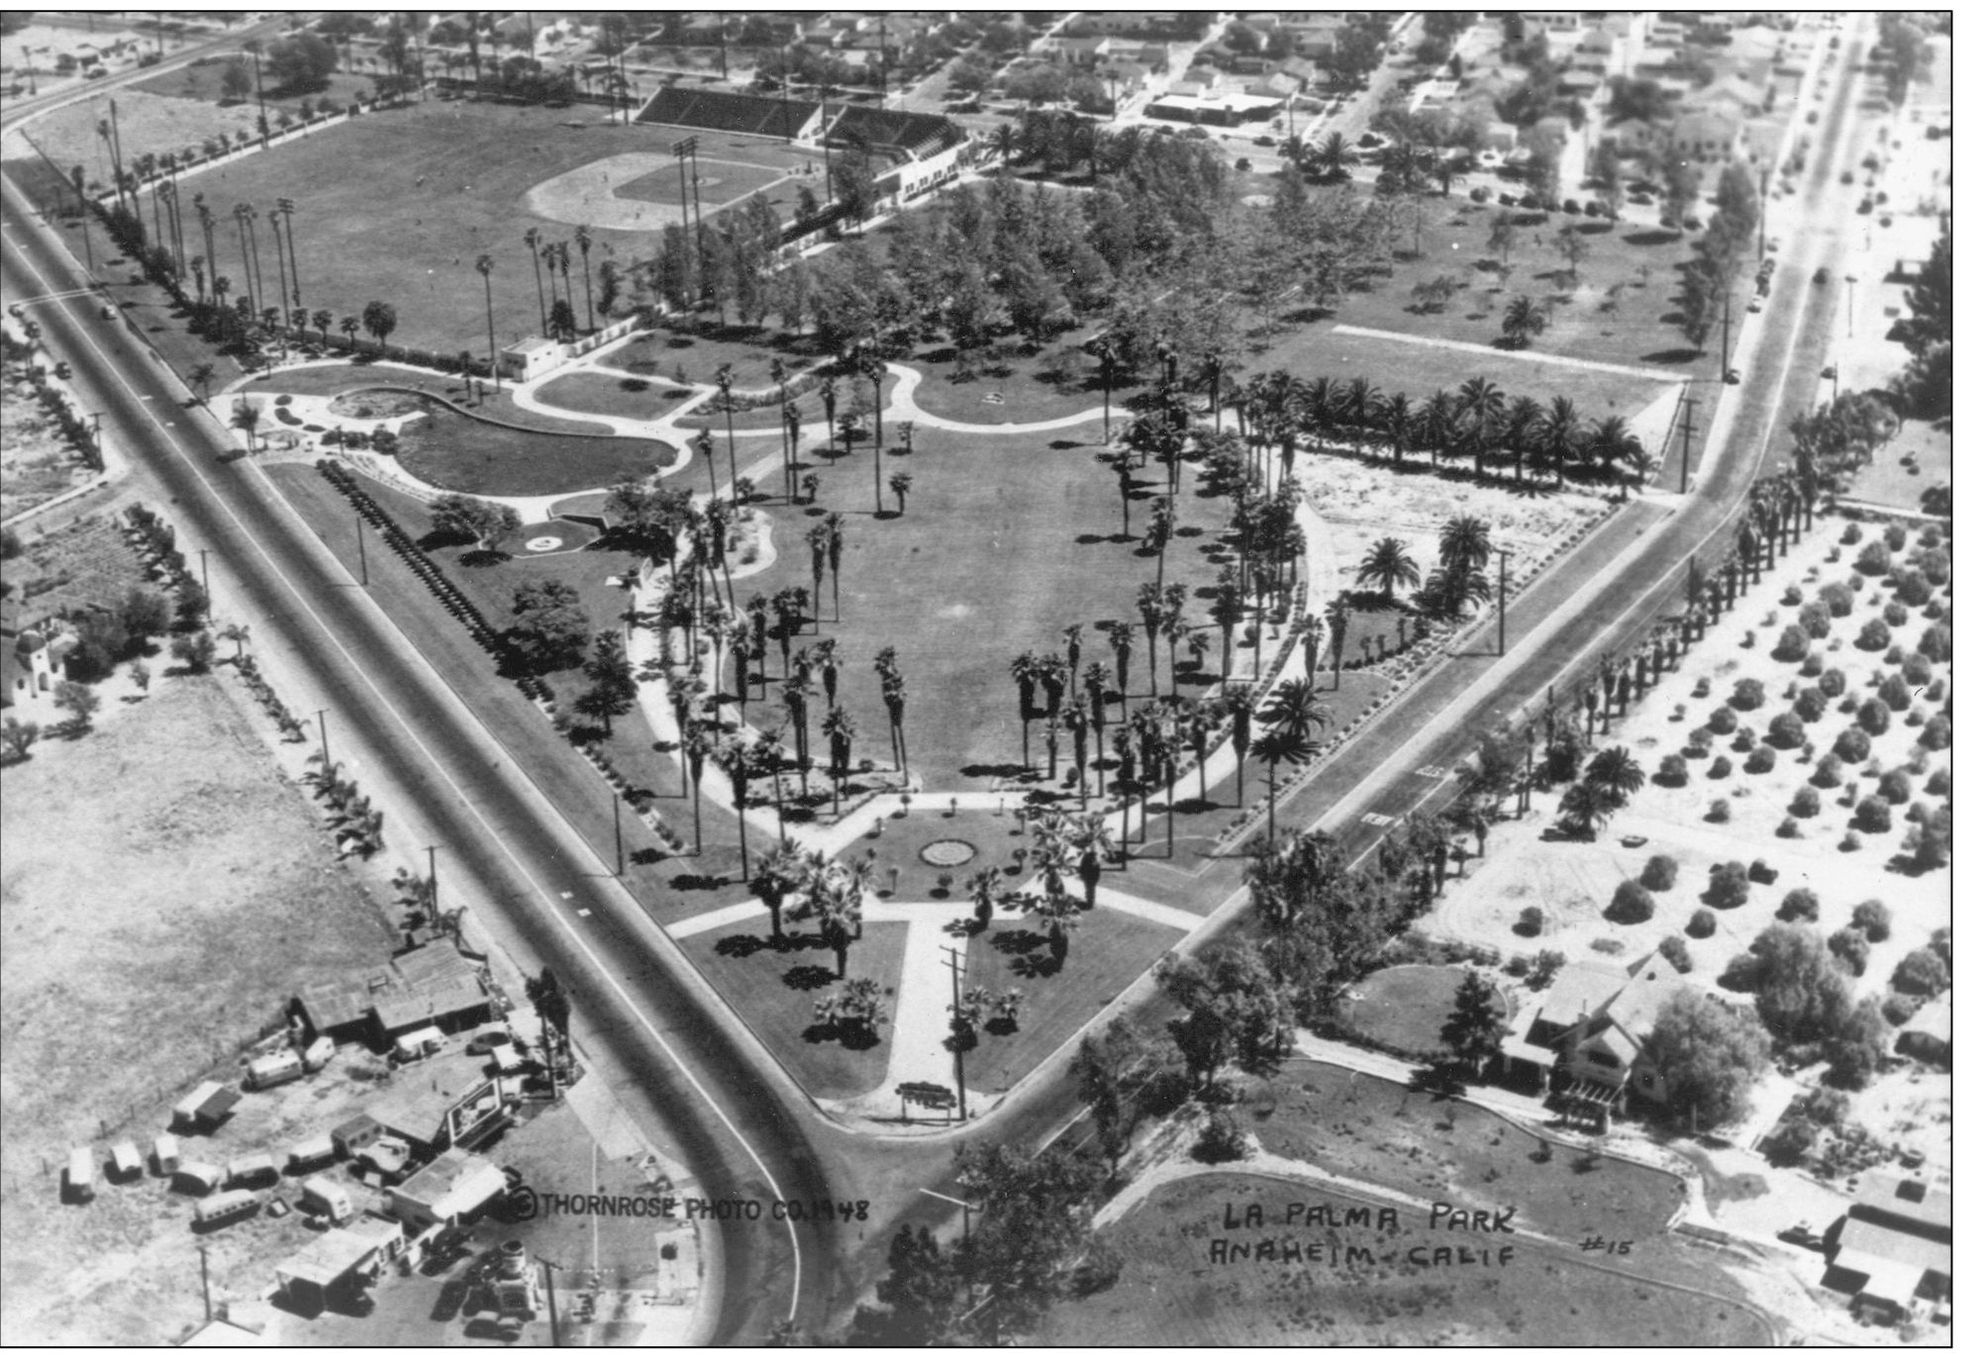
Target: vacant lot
{"x":164,"y":892}
{"x":1403,"y":1008}
{"x":37,"y":461}
{"x":201,"y":80}
{"x":1170,"y":1292}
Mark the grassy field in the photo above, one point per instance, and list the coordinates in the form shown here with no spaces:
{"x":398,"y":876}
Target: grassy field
{"x":357,"y":377}
{"x":1403,"y":1008}
{"x":696,"y":356}
{"x":625,"y":397}
{"x":1387,"y":1135}
{"x":441,"y":184}
{"x":459,"y":452}
{"x":1108,"y":951}
{"x":775,"y":991}
{"x":1005,"y":542}
{"x":1170,"y":1292}
{"x":165,"y":893}
{"x":201,"y":81}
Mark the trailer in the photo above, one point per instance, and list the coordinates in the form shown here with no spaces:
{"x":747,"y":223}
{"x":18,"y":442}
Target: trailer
{"x":311,"y":1154}
{"x":126,"y":1162}
{"x":271,"y":1071}
{"x":219,"y":1211}
{"x":79,"y":1182}
{"x":165,"y":1155}
{"x":197,"y":1179}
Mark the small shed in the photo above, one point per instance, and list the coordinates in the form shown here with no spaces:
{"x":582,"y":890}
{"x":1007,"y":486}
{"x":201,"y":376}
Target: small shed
{"x":126,"y":1162}
{"x":79,"y":1183}
{"x":356,"y":1134}
{"x":205,"y":1108}
{"x":165,"y":1155}
{"x":196,"y":1179}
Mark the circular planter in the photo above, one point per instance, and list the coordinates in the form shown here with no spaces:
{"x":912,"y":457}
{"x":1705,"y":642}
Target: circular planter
{"x":948,"y":853}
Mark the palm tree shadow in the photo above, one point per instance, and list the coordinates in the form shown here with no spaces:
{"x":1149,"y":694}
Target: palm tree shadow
{"x":806,"y":977}
{"x":1017,"y":941}
{"x":1036,"y":967}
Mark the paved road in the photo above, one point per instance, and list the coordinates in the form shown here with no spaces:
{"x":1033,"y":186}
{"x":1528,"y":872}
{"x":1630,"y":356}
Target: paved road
{"x":739,"y":1122}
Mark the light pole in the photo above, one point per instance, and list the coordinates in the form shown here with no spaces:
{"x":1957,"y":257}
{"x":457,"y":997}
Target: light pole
{"x":1850,"y":281}
{"x":1503,"y":558}
{"x":323,"y":733}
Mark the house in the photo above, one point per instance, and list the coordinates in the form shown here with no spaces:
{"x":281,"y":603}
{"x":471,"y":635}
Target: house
{"x":1894,"y":1250}
{"x":1279,"y":86}
{"x":1707,"y":137}
{"x":433,"y":984}
{"x":441,"y":1103}
{"x":453,"y":1186}
{"x":1732,"y":96}
{"x":1927,"y":1034}
{"x":1080,"y":51}
{"x":1585,"y":1040}
{"x":336,"y":1265}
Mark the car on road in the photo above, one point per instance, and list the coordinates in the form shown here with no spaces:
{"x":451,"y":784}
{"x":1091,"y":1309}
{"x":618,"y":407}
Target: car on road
{"x":62,"y":371}
{"x":109,"y":312}
{"x":1829,"y":372}
{"x":1733,"y":377}
{"x":1820,"y":275}
{"x":1754,"y":308}
{"x":1802,"y":1235}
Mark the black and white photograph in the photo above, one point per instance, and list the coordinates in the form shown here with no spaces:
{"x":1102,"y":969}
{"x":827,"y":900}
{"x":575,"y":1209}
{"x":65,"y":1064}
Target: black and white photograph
{"x":1061,"y":678}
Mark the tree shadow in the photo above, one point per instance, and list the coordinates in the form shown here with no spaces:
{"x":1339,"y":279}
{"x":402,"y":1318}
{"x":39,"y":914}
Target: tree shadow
{"x":1017,"y":941}
{"x":806,"y":977}
{"x":647,"y":856}
{"x":1670,"y":357}
{"x":688,"y":880}
{"x":740,"y":945}
{"x":1036,"y":967}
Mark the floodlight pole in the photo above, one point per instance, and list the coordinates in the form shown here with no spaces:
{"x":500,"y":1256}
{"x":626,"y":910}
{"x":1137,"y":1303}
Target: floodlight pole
{"x":957,"y":963}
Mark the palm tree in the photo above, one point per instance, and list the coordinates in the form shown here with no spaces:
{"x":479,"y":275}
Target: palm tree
{"x":834,"y":541}
{"x":1023,"y":672}
{"x":1388,"y":563}
{"x":1333,"y":156}
{"x":533,"y":238}
{"x":1524,"y":321}
{"x":1397,"y":420}
{"x":1612,"y":440}
{"x":983,"y":889}
{"x":1356,"y":408}
{"x":246,"y":418}
{"x":1240,"y":702}
{"x":778,"y":879}
{"x":900,"y":482}
{"x":696,"y":747}
{"x":1437,"y":430}
{"x":1464,"y":547}
{"x":201,"y":378}
{"x":350,"y":324}
{"x":584,"y":247}
{"x":1480,"y":403}
{"x":1584,"y":810}
{"x":237,"y":632}
{"x":1318,"y":407}
{"x":485,"y":267}
{"x":1559,"y":435}
{"x":1521,"y":427}
{"x":1614,"y":774}
{"x":737,"y":758}
{"x":1058,"y":912}
{"x":840,"y":912}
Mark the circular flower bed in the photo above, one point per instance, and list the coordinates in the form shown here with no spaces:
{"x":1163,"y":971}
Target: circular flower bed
{"x":948,"y":852}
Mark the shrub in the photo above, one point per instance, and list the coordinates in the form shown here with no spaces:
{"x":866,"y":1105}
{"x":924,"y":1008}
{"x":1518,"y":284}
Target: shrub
{"x":1857,"y":583}
{"x":1872,"y":815}
{"x":1787,"y":731}
{"x":1832,"y":683}
{"x":1703,"y":923}
{"x":1805,"y":803}
{"x":1935,"y":565}
{"x":1895,"y":536}
{"x":1827,"y":774}
{"x":1939,"y":783}
{"x":1874,"y":636}
{"x":1816,"y":620}
{"x":1871,"y":918}
{"x":1762,"y":873}
{"x":1748,"y":694}
{"x":1929,"y":536}
{"x":1873,"y":717}
{"x":1851,"y":534}
{"x":1719,"y":811}
{"x":1898,"y":1008}
{"x":1918,"y":672}
{"x":1791,"y":647}
{"x":1894,"y":693}
{"x":1799,"y":904}
{"x":1792,"y":596}
{"x":1813,"y":666}
{"x":1660,"y":873}
{"x":1699,"y":741}
{"x":1921,"y":972}
{"x":1895,"y":614}
{"x":1720,"y":767}
{"x":1702,"y":688}
{"x":1788,"y":828}
{"x":1548,"y":964}
{"x":1894,"y":787}
{"x":1222,"y":1139}
{"x":1723,"y":721}
{"x":1632,"y":903}
{"x":1912,"y":588}
{"x":1678,"y":952}
{"x":1850,"y":841}
{"x":1810,"y":705}
{"x":1730,"y":886}
{"x":1936,"y":733}
{"x":1674,"y":771}
{"x":1838,"y":599}
{"x":1874,"y":559}
{"x":1745,"y":739}
{"x":1935,"y":643}
{"x":1531,"y":921}
{"x":1761,"y":760}
{"x":1850,"y":948}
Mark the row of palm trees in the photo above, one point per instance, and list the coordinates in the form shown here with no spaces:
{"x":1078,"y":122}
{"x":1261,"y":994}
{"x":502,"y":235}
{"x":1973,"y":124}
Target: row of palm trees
{"x":1464,"y":549}
{"x":1478,"y":420}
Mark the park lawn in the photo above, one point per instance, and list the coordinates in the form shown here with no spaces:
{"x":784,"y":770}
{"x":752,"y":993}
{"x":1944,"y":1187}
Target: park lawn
{"x":1403,"y":1008}
{"x":166,"y":892}
{"x":774,"y":991}
{"x":1009,"y":386}
{"x":456,"y":451}
{"x":200,"y":80}
{"x":625,"y":397}
{"x":1170,"y":1293}
{"x":398,"y":205}
{"x":694,"y":353}
{"x":1109,"y":950}
{"x":1005,"y":542}
{"x":810,"y":409}
{"x":339,"y":378}
{"x":1914,"y":460}
{"x":1382,"y":1133}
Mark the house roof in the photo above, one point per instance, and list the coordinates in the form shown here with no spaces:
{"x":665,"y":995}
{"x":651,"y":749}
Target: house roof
{"x":429,"y":1005}
{"x":1891,"y":1246}
{"x":1652,"y":982}
{"x":452,"y":1184}
{"x":1933,"y":1019}
{"x":334,"y":1254}
{"x":1906,"y":1198}
{"x":1581,"y":990}
{"x":415,"y":1106}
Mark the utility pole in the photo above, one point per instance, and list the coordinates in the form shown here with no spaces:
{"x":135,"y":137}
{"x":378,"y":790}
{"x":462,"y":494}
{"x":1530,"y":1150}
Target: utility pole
{"x":1850,"y":281}
{"x":1764,"y":195}
{"x":1688,"y":403}
{"x":1503,"y":557}
{"x":1726,"y":343}
{"x":617,"y":836}
{"x":363,"y":564}
{"x":433,"y":877}
{"x":957,"y":963}
{"x":323,"y":733}
{"x":205,"y":1283}
{"x":549,"y":1296}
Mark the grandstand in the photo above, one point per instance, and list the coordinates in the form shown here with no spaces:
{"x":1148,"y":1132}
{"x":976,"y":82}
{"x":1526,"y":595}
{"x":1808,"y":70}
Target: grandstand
{"x":745,"y":114}
{"x":911,"y":136}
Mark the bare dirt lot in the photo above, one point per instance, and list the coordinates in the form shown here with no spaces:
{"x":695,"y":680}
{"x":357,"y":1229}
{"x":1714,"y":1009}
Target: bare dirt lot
{"x":164,"y":891}
{"x":36,"y":462}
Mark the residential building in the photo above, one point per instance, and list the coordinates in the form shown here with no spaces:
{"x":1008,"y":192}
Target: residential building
{"x":1894,"y":1250}
{"x":434,"y":984}
{"x":1707,"y":137}
{"x":452,"y":1187}
{"x":1927,"y":1034}
{"x":1585,"y":1040}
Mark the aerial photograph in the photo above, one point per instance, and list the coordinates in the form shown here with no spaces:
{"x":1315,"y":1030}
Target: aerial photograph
{"x":1048,"y":678}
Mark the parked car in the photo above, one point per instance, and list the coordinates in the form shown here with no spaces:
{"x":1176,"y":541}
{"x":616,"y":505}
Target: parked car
{"x":1733,"y":377}
{"x":1847,"y":176}
{"x":1820,"y":275}
{"x":1829,"y":372}
{"x":1753,"y":308}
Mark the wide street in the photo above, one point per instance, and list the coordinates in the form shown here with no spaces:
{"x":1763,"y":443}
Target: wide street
{"x":658,"y":1033}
